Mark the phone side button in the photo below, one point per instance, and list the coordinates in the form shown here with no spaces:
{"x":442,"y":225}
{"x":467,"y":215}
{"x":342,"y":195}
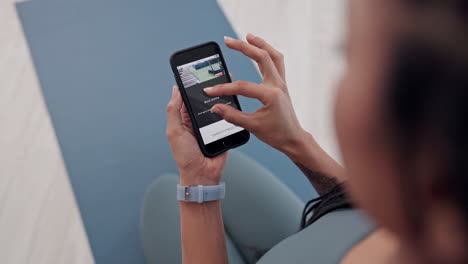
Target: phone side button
{"x":227,"y":143}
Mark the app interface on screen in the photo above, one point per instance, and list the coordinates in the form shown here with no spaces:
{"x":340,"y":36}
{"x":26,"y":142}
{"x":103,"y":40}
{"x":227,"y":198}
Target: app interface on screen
{"x":195,"y":77}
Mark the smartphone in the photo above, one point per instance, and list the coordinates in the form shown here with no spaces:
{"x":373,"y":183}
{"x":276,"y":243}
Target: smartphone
{"x":194,"y":69}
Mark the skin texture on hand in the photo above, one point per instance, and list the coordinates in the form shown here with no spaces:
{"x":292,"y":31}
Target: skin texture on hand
{"x":194,"y":167}
{"x":275,"y":123}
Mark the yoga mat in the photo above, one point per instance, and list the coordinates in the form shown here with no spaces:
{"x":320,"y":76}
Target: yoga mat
{"x":104,"y":70}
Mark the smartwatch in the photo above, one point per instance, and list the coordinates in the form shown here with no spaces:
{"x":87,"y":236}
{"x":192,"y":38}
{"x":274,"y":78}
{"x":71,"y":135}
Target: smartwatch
{"x":201,"y":193}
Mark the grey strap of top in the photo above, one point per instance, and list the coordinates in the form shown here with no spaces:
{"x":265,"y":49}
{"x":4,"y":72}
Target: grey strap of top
{"x":325,"y":242}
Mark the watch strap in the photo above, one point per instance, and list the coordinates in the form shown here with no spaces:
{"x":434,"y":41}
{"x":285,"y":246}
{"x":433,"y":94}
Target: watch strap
{"x":201,"y":193}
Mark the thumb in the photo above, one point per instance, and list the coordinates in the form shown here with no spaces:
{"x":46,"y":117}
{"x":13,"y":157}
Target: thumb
{"x":233,"y":115}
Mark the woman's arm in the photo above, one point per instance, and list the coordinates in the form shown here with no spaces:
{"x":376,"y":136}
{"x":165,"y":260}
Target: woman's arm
{"x":202,"y":233}
{"x":202,"y":226}
{"x":323,"y":172}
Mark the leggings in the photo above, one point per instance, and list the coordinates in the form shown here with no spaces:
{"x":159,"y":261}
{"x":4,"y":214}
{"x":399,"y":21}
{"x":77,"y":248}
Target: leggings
{"x":259,"y":211}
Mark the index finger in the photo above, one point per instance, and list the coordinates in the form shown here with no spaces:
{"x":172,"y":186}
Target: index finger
{"x":244,"y":88}
{"x":276,"y":56}
{"x":262,"y":57}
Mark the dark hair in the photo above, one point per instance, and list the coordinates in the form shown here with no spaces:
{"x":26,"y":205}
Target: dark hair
{"x":316,"y":208}
{"x":428,"y":95}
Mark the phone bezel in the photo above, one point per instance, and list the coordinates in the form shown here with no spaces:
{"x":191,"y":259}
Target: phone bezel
{"x":192,"y":54}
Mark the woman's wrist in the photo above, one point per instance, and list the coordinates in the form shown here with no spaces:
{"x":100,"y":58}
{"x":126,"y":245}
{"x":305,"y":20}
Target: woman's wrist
{"x":300,"y":147}
{"x":193,"y":179}
{"x":321,"y":169}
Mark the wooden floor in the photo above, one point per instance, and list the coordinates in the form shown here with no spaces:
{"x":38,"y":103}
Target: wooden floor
{"x":39,"y":219}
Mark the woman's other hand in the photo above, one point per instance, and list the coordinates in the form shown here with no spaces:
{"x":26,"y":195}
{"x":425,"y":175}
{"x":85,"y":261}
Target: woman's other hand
{"x":194,"y":167}
{"x":275,"y":122}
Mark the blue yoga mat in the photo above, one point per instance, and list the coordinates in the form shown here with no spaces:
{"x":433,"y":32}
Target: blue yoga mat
{"x":104,"y":70}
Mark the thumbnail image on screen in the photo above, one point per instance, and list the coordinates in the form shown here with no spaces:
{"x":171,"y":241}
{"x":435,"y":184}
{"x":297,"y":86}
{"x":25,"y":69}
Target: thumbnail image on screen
{"x":201,"y":70}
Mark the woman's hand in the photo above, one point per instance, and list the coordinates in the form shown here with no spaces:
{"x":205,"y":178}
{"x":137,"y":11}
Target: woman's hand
{"x":275,"y":122}
{"x":194,"y":167}
{"x":202,"y":227}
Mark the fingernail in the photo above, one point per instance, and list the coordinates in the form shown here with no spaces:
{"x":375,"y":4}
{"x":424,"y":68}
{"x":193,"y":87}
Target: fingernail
{"x":174,"y":88}
{"x":207,"y":89}
{"x":250,"y":35}
{"x":226,"y":38}
{"x":215,"y":110}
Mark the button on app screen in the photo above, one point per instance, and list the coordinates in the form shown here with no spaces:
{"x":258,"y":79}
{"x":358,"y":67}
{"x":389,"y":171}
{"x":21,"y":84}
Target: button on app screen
{"x":195,"y":77}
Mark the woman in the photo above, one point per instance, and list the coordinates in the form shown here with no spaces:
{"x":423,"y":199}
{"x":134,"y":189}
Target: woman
{"x":401,"y":125}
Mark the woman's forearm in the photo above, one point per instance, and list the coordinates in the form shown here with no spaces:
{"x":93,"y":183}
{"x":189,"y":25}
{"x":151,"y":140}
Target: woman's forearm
{"x":323,"y":171}
{"x":202,"y":233}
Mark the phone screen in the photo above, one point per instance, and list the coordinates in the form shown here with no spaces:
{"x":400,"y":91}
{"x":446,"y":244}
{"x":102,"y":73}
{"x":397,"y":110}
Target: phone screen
{"x":196,"y":76}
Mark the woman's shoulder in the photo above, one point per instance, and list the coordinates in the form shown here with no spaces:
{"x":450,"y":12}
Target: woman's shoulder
{"x":325,"y":241}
